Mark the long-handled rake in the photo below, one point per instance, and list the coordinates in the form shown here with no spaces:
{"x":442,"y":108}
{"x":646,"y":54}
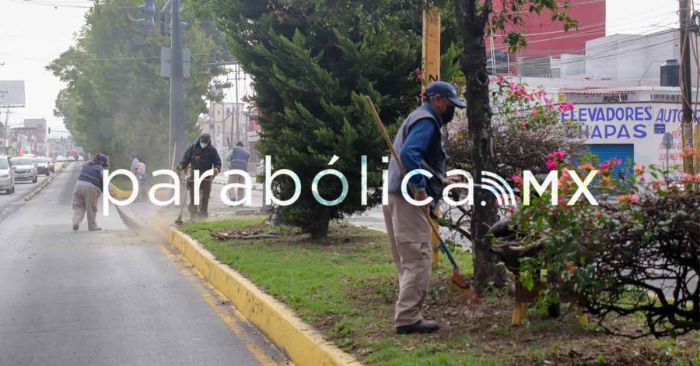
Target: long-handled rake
{"x":457,"y":277}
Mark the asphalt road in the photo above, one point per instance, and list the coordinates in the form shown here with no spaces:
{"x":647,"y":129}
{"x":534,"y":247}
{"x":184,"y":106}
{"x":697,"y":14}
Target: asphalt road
{"x":113,"y":297}
{"x":9,"y":203}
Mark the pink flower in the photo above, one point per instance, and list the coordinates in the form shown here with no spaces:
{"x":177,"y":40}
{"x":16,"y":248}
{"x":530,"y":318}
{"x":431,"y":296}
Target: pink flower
{"x":604,"y":166}
{"x":568,"y":106}
{"x":559,"y":154}
{"x":629,"y":198}
{"x":523,"y":124}
{"x":534,"y":112}
{"x":517,"y":178}
{"x":419,"y":73}
{"x":551,"y":164}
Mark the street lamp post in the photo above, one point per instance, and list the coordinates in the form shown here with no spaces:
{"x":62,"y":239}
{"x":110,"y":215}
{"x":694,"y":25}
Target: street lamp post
{"x":177,"y":98}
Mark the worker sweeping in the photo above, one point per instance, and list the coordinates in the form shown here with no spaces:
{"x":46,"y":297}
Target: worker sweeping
{"x":201,"y":156}
{"x":420,"y":144}
{"x":87,"y":191}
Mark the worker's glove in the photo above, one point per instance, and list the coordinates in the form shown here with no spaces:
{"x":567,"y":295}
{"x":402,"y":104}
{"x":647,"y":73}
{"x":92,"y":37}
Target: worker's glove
{"x":178,"y":169}
{"x":216,"y":171}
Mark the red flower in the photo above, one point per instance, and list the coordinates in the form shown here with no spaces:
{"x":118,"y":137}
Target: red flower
{"x":570,"y":267}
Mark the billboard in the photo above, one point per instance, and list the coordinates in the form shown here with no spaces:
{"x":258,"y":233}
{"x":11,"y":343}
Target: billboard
{"x":11,"y":93}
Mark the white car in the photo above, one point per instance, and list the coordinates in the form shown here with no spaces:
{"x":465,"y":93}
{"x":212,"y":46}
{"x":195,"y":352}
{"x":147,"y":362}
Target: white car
{"x":7,"y":176}
{"x":43,"y":165}
{"x":24,"y":168}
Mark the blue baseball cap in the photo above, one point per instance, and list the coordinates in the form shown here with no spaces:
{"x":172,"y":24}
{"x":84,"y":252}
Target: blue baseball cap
{"x":444,"y":89}
{"x":102,"y":159}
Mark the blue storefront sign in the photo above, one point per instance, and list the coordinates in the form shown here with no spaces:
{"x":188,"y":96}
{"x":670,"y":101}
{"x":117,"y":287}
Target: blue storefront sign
{"x":659,"y":128}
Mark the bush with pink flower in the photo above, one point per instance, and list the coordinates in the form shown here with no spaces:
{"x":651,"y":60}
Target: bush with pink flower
{"x":635,"y":253}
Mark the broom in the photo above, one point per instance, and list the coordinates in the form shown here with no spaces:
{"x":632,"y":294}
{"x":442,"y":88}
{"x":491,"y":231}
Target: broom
{"x":457,"y":277}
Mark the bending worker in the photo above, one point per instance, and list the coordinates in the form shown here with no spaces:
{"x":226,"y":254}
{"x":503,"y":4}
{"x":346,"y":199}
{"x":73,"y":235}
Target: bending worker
{"x":201,"y":156}
{"x":418,"y":140}
{"x":87,"y":191}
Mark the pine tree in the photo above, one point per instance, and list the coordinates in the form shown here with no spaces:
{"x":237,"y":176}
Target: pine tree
{"x":312,"y":61}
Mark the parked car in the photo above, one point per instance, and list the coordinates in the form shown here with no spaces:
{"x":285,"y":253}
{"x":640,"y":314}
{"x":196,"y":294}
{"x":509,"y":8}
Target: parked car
{"x":7,"y":176}
{"x":60,"y":158}
{"x":43,"y":165}
{"x":24,"y":168}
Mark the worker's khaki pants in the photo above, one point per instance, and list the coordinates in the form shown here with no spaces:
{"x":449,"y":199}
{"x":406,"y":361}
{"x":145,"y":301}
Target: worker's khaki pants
{"x":236,"y":193}
{"x":85,"y":196}
{"x":409,"y":237}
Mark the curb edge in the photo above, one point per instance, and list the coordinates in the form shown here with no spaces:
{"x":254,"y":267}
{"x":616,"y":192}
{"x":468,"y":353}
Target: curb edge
{"x":304,"y":345}
{"x":45,"y":183}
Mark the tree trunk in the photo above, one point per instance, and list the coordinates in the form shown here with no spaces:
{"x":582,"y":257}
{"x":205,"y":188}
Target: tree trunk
{"x":319,"y":229}
{"x":472,"y":23}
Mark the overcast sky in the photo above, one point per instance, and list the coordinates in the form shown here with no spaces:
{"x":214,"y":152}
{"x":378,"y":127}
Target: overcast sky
{"x":34,"y":32}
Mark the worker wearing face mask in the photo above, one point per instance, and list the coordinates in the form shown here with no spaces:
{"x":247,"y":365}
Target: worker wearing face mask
{"x":420,"y":145}
{"x":201,"y":156}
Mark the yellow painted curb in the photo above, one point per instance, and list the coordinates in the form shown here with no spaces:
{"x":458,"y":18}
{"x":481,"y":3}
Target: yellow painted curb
{"x":303,"y":345}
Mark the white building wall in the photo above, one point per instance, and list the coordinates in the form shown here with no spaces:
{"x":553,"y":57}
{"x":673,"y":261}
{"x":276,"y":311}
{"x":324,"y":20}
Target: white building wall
{"x":633,"y":58}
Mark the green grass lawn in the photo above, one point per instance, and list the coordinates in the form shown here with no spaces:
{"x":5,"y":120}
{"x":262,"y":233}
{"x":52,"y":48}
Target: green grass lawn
{"x":346,"y":286}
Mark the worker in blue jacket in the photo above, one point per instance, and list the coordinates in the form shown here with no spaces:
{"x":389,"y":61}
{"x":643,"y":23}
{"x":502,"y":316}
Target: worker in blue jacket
{"x":421,"y":145}
{"x":87,"y":191}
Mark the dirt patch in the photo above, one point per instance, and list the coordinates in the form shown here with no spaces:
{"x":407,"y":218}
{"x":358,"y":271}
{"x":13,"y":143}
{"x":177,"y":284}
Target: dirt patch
{"x":342,"y":237}
{"x":256,"y":232}
{"x":484,"y":328}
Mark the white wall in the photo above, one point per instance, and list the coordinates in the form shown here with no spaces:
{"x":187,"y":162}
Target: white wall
{"x":633,"y":58}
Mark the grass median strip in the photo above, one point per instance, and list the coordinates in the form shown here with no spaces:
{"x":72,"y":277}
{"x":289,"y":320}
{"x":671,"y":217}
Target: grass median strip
{"x":345,"y":286}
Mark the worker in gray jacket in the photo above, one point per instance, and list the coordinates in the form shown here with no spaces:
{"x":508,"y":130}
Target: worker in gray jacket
{"x":419,"y":141}
{"x":237,"y":159}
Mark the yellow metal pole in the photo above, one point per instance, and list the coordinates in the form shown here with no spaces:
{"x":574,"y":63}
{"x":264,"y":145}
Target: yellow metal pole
{"x":696,"y":140}
{"x":431,"y":46}
{"x":431,"y":72}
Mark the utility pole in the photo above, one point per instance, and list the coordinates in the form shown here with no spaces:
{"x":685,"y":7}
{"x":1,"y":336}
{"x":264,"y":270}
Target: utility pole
{"x":177,"y":94}
{"x":7,"y":131}
{"x":686,"y":89}
{"x":236,"y":108}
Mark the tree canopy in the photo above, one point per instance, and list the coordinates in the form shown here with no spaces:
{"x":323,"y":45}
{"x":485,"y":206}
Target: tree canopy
{"x":115,"y":101}
{"x":311,"y":62}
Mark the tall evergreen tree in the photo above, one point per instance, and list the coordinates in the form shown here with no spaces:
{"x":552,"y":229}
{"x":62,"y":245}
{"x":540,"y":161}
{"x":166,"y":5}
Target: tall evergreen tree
{"x":311,"y":62}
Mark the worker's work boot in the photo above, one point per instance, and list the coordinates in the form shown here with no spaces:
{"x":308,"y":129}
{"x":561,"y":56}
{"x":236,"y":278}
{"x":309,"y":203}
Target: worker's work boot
{"x":421,"y":326}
